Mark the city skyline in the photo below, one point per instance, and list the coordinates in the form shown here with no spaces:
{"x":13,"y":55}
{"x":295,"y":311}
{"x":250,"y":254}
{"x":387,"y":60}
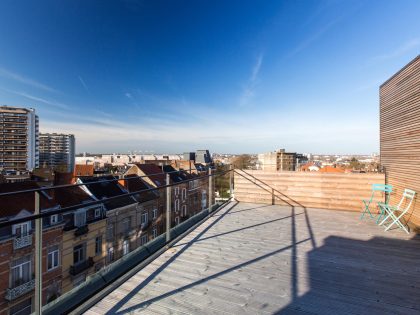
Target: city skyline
{"x":237,"y":77}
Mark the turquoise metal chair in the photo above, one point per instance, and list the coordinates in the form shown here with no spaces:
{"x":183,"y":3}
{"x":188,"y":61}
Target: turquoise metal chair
{"x":377,"y":189}
{"x":402,"y":207}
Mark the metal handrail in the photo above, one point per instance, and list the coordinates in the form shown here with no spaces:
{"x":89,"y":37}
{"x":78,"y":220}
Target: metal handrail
{"x":84,"y":184}
{"x":93,"y":203}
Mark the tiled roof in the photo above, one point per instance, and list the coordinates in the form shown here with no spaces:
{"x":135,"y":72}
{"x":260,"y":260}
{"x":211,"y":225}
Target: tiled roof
{"x":83,"y":170}
{"x":134,"y":183}
{"x":176,"y":176}
{"x":13,"y":204}
{"x":106,"y":190}
{"x":71,"y":196}
{"x":154,"y":172}
{"x":331,"y":169}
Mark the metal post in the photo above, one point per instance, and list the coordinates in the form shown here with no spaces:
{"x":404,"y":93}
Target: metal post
{"x":210,"y":191}
{"x":168,"y":209}
{"x":231,"y":181}
{"x":38,"y":258}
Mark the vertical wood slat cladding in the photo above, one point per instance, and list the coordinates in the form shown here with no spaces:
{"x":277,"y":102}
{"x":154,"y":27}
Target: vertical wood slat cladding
{"x":400,"y":133}
{"x":308,"y":189}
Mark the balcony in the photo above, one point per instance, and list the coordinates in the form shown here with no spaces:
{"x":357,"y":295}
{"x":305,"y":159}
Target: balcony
{"x":145,"y":225}
{"x":82,"y":266}
{"x":81,"y":230}
{"x":14,"y":293}
{"x":21,"y":242}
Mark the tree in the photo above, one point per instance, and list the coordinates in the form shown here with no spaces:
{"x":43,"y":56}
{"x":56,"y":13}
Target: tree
{"x":243,"y":161}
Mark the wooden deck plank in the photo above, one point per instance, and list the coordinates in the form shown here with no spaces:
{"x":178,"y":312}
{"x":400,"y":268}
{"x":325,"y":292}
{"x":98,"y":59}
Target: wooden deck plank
{"x":259,"y":259}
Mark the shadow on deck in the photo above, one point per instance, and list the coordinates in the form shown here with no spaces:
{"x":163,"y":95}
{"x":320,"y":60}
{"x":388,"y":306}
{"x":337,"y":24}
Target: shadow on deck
{"x":270,"y":259}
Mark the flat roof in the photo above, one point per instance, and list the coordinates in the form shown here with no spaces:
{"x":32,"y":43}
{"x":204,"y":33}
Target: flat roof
{"x":264,"y":259}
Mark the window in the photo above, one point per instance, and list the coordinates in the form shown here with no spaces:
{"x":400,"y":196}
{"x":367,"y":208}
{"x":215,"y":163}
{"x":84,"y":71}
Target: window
{"x":79,"y":253}
{"x":184,"y":210}
{"x":184,"y":193}
{"x":144,"y":239}
{"x":21,"y":271}
{"x":23,"y":308}
{"x":176,"y":220}
{"x":176,"y":191}
{"x":22,"y":229}
{"x":154,"y":213}
{"x":53,"y":258}
{"x":80,"y":218}
{"x":97,"y":213}
{"x":110,"y":232}
{"x":110,"y":254}
{"x":144,"y":218}
{"x":54,"y":219}
{"x":155,"y":233}
{"x":98,"y":245}
{"x":177,"y":205}
{"x":126,"y":247}
{"x":126,"y":224}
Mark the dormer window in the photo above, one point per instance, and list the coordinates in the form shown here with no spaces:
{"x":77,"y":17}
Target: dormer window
{"x":21,"y":229}
{"x":80,"y":218}
{"x":54,"y":219}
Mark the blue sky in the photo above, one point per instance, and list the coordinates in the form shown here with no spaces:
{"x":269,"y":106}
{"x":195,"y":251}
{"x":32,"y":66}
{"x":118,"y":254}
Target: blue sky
{"x":231,"y":76}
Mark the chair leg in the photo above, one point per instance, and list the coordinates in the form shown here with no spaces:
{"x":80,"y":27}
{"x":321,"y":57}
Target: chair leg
{"x":396,"y":220}
{"x":366,"y":210}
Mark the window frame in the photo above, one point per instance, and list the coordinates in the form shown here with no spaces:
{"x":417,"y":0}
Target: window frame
{"x":54,"y":219}
{"x":126,"y":247}
{"x":98,"y":245}
{"x":82,"y":213}
{"x":55,"y":262}
{"x":20,"y":226}
{"x":81,"y":251}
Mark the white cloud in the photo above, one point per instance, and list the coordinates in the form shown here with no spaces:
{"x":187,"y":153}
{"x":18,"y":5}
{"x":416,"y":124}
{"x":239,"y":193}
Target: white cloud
{"x":249,"y":91}
{"x":399,"y":51}
{"x":38,"y":99}
{"x":25,"y":80}
{"x":83,"y":83}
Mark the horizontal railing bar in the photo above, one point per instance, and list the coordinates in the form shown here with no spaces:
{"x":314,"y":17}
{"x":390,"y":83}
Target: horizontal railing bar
{"x":84,"y":184}
{"x":94,"y":203}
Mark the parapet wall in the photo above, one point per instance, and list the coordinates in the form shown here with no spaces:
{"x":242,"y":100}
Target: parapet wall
{"x":306,"y":189}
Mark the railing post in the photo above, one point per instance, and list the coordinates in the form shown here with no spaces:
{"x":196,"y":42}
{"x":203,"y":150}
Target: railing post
{"x":210,"y":190}
{"x":273,"y":201}
{"x":231,"y":181}
{"x":38,"y":257}
{"x":168,"y":209}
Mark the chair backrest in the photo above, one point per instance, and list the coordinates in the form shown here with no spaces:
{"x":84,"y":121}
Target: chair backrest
{"x":382,"y":187}
{"x":408,"y":195}
{"x":387,"y":189}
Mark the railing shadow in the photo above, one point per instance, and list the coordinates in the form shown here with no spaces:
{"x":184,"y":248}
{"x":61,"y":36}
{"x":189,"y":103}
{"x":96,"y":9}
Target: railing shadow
{"x":116,"y":307}
{"x":351,"y":276}
{"x":275,"y":193}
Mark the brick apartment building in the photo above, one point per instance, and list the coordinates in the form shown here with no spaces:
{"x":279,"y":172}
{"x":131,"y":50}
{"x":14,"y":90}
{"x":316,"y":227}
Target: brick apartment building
{"x":17,"y":251}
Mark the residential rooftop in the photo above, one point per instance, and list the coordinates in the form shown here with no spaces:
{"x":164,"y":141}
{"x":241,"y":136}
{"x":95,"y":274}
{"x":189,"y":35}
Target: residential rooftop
{"x":270,"y":259}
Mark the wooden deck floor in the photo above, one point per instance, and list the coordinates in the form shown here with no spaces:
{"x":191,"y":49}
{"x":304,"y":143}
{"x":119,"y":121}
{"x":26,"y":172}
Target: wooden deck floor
{"x":261,"y":259}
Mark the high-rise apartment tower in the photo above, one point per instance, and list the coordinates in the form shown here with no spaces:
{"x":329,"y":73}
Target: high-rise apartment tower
{"x":19,"y":144}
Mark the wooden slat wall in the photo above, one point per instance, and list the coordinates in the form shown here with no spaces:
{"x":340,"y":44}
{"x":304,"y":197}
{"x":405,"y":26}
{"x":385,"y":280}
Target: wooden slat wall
{"x":308,"y":189}
{"x":400,"y":133}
